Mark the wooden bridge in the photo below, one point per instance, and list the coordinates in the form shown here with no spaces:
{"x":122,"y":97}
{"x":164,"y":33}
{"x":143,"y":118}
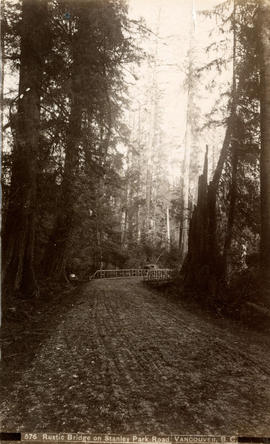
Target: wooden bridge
{"x":159,"y":275}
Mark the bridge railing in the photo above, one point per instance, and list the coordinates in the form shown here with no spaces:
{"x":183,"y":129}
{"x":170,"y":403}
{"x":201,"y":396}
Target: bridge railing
{"x":162,"y":274}
{"x":147,"y":275}
{"x":124,"y":272}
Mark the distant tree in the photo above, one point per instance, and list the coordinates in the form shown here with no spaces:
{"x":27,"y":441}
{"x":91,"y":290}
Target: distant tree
{"x":189,"y":172}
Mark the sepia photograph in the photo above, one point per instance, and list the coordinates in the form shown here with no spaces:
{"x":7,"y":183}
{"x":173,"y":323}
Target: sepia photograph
{"x":135,"y":198}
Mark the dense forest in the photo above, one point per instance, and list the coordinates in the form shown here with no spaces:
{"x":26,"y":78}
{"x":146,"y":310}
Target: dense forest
{"x":135,"y":220}
{"x":84,"y":179}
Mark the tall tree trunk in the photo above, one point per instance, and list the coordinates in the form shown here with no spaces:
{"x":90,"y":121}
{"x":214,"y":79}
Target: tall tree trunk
{"x":19,"y":231}
{"x":213,"y":189}
{"x":152,"y":140}
{"x":2,"y":58}
{"x":234,"y":163}
{"x":265,"y":141}
{"x":231,"y":213}
{"x":55,"y":257}
{"x":198,"y":233}
{"x":185,"y":216}
{"x":149,"y":159}
{"x":184,"y":224}
{"x":202,"y":267}
{"x":168,"y":243}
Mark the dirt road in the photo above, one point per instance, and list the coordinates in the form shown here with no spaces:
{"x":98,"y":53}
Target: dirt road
{"x":127,"y":359}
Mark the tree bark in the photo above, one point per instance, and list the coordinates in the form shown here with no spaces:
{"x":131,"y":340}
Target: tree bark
{"x":234,"y":164}
{"x":265,"y":141}
{"x":202,"y":267}
{"x":213,"y":190}
{"x":231,"y":213}
{"x":19,"y":231}
{"x":2,"y":6}
{"x":55,"y":257}
{"x":198,"y":233}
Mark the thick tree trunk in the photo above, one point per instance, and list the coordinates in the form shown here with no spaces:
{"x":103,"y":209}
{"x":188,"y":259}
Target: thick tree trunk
{"x":231,"y":213}
{"x":56,"y":254}
{"x":198,"y":234}
{"x":168,"y":243}
{"x":265,"y":141}
{"x":212,"y":196}
{"x":189,"y":139}
{"x":234,"y":165}
{"x":19,"y":231}
{"x":202,"y":267}
{"x":184,"y":224}
{"x":2,"y":57}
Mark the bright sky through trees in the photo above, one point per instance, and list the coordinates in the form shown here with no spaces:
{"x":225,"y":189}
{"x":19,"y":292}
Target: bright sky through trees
{"x":174,"y":23}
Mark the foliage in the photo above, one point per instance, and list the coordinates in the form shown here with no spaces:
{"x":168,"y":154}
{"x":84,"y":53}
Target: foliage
{"x":237,"y":19}
{"x":91,"y":44}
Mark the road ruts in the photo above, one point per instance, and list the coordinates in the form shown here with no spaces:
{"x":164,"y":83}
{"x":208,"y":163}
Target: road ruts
{"x":127,"y":359}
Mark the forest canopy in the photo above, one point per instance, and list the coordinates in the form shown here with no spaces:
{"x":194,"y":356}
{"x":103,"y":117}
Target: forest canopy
{"x":90,"y":178}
